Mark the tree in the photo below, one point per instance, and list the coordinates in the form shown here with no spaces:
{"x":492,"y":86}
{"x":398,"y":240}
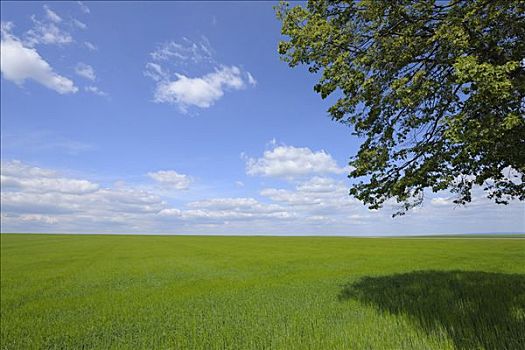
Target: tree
{"x":436,"y":91}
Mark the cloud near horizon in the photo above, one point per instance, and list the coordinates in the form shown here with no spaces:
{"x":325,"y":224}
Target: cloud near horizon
{"x":171,"y":179}
{"x":291,"y":162}
{"x":36,"y":199}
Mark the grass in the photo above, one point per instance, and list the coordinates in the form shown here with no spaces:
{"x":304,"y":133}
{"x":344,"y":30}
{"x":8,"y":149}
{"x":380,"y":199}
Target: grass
{"x":160,"y":292}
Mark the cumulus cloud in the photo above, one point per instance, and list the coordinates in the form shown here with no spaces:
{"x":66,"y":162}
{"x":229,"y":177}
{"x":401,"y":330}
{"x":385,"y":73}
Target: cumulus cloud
{"x":200,"y":92}
{"x":224,"y":203}
{"x":322,"y":201}
{"x":36,"y":199}
{"x":172,"y":179}
{"x":46,"y":185}
{"x":98,"y":205}
{"x":34,"y":194}
{"x":20,"y":169}
{"x":219,"y":210}
{"x":291,"y":162}
{"x":175,"y":86}
{"x":85,"y":71}
{"x":20,"y":63}
{"x":22,"y":177}
{"x":315,"y":196}
{"x":322,"y":185}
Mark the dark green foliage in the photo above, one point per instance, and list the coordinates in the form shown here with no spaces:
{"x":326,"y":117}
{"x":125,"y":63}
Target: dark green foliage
{"x":436,"y":91}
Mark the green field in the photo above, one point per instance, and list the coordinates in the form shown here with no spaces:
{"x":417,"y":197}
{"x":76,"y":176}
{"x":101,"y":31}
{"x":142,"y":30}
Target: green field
{"x":180,"y":292}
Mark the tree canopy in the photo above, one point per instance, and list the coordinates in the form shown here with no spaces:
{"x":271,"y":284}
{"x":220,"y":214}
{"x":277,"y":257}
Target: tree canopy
{"x":435,"y":90}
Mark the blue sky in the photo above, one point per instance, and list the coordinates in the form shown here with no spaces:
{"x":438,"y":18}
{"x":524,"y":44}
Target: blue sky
{"x":161,"y":117}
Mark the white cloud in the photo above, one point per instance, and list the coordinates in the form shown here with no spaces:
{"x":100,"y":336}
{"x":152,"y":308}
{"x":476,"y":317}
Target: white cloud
{"x":289,"y":162}
{"x":184,"y":51}
{"x":46,"y":185}
{"x":35,"y":199}
{"x":39,"y":218}
{"x":316,"y":194}
{"x":100,"y":205}
{"x":233,"y":209}
{"x":224,"y":203}
{"x":172,"y":179}
{"x":200,"y":92}
{"x":322,"y":185}
{"x":170,"y":212}
{"x":20,"y":63}
{"x":20,"y":176}
{"x":185,"y":90}
{"x":90,"y":46}
{"x":85,"y":70}
{"x":96,"y":91}
{"x":441,"y":202}
{"x":33,"y":194}
{"x":23,"y":170}
{"x":323,"y":201}
{"x":83,"y":7}
{"x":46,"y":32}
{"x":79,"y":24}
{"x":289,"y":197}
{"x":51,"y":15}
{"x":156,"y":72}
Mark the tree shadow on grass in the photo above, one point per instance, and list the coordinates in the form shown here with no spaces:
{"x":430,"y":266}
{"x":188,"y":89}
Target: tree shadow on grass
{"x":476,"y":309}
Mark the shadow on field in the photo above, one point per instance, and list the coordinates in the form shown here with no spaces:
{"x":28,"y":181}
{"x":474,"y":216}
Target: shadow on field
{"x":475,"y":309}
